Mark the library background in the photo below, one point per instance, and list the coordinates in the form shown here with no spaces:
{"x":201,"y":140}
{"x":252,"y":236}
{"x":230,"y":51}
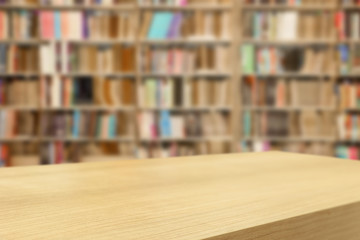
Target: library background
{"x":91,"y":80}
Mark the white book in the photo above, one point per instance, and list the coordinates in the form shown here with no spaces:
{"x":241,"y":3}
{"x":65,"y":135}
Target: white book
{"x":64,"y":57}
{"x":47,"y":58}
{"x":56,"y":92}
{"x":287,"y":26}
{"x":341,"y":126}
{"x":177,"y":126}
{"x":258,"y":146}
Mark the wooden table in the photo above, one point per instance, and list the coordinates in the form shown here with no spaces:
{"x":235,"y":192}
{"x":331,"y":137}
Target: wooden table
{"x":238,"y":196}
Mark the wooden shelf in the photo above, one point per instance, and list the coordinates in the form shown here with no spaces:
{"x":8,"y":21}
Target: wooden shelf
{"x":166,"y":42}
{"x":288,"y":7}
{"x":304,"y":108}
{"x":182,"y":75}
{"x":70,"y":7}
{"x":184,"y":109}
{"x":190,"y":139}
{"x":291,"y":139}
{"x":208,"y":7}
{"x":86,"y":139}
{"x":290,"y":75}
{"x":90,"y":108}
{"x":19,"y":108}
{"x":84,"y":74}
{"x":290,"y":43}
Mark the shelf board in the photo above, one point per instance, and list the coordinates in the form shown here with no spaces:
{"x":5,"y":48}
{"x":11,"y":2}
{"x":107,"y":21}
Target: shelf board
{"x":19,"y":139}
{"x":350,"y":75}
{"x":289,"y":43}
{"x":84,"y":74}
{"x":288,"y":7}
{"x":24,"y":41}
{"x":166,"y":42}
{"x":85,"y":139}
{"x":184,"y":109}
{"x":290,"y":75}
{"x":290,"y":139}
{"x":181,"y":75}
{"x":270,"y":108}
{"x":19,"y":108}
{"x":208,"y":7}
{"x":90,"y":107}
{"x":70,"y":7}
{"x":350,"y":7}
{"x":190,"y":139}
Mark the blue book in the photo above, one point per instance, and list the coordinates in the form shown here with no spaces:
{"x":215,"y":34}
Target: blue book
{"x":57,"y":24}
{"x":160,"y":25}
{"x":3,"y":56}
{"x":165,"y":124}
{"x":76,"y":124}
{"x":247,"y":124}
{"x":354,"y":130}
{"x":112,"y":126}
{"x":344,"y":56}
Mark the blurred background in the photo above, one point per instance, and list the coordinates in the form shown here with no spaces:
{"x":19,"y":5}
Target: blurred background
{"x":95,"y":80}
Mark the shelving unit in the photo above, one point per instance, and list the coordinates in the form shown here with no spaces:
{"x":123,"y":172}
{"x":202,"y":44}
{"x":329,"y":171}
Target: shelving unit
{"x":236,"y":76}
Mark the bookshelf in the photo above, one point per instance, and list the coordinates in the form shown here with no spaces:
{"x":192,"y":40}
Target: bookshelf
{"x":201,"y":58}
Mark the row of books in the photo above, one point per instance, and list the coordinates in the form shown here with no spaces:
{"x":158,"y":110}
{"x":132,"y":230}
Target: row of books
{"x":4,"y":155}
{"x":73,"y":58}
{"x":56,"y":92}
{"x":288,"y":25}
{"x":67,"y":125}
{"x":67,"y":92}
{"x":306,"y":123}
{"x":87,"y":124}
{"x":349,"y":94}
{"x":60,"y":152}
{"x":349,"y":59}
{"x":215,"y":59}
{"x":19,"y":92}
{"x":169,"y":93}
{"x":16,"y":58}
{"x":182,"y":149}
{"x":315,"y":148}
{"x":287,"y":92}
{"x":347,"y":152}
{"x":199,"y":25}
{"x":32,"y":153}
{"x":170,"y":125}
{"x":277,"y":60}
{"x":348,"y":126}
{"x":348,"y":25}
{"x":18,"y":124}
{"x":65,"y":2}
{"x":350,"y":2}
{"x":66,"y":25}
{"x":66,"y":58}
{"x":294,"y":2}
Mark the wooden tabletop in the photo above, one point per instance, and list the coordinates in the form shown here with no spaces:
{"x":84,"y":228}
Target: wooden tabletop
{"x":238,"y":196}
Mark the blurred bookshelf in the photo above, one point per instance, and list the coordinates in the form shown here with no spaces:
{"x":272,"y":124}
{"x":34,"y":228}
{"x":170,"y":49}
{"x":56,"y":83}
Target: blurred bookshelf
{"x":126,"y":79}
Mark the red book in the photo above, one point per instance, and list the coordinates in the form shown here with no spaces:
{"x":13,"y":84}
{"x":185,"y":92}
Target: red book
{"x":339,"y":23}
{"x":47,"y":24}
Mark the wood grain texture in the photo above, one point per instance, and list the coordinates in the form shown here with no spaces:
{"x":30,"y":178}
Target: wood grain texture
{"x":264,"y":196}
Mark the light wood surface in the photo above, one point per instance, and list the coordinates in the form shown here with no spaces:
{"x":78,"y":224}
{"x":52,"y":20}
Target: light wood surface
{"x":238,"y":196}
